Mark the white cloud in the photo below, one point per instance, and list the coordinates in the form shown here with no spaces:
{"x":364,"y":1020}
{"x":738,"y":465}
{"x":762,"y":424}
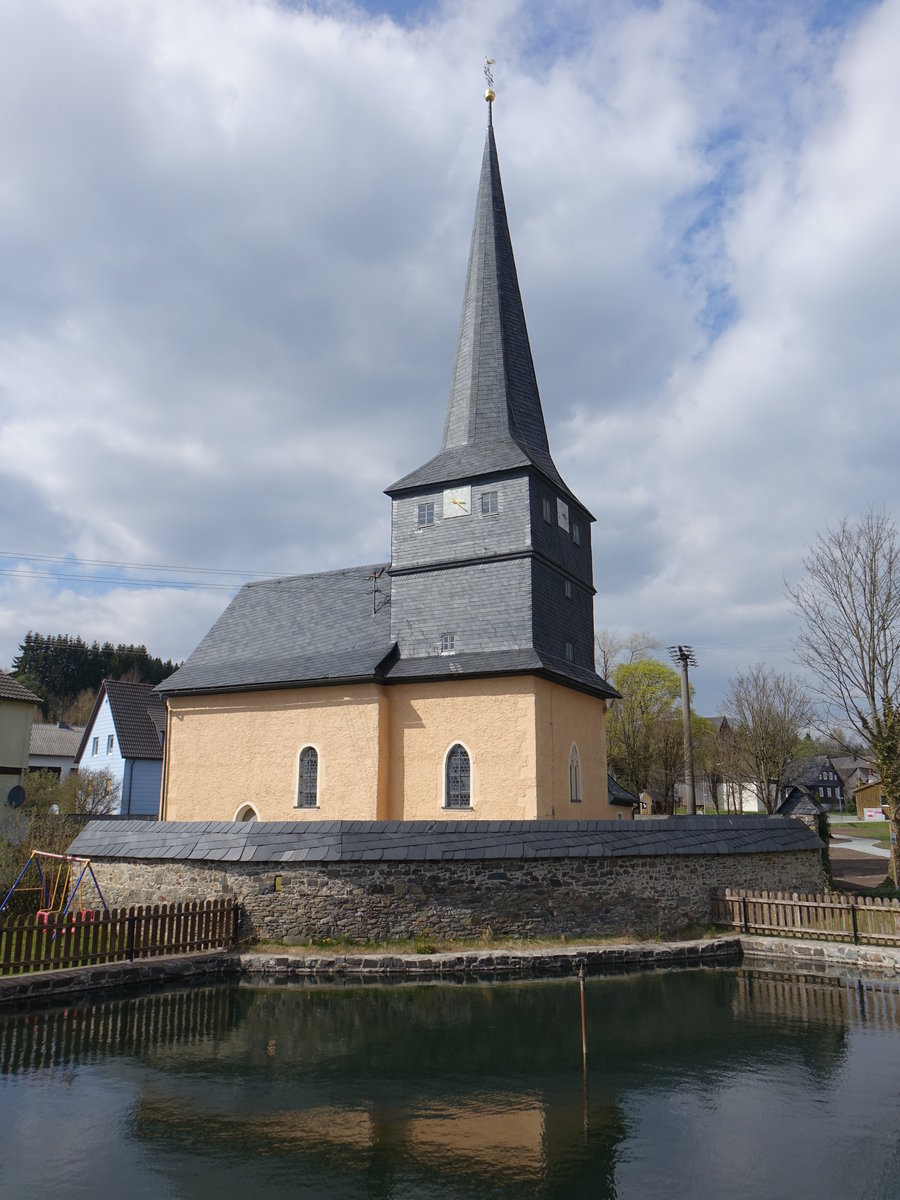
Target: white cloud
{"x":232,"y":244}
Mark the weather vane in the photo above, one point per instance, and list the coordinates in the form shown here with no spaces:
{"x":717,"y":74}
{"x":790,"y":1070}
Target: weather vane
{"x":489,"y":93}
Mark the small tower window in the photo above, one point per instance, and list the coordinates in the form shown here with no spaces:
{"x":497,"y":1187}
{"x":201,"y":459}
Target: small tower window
{"x":457,"y":778}
{"x":547,"y":509}
{"x":574,"y":776}
{"x":489,"y":504}
{"x":568,"y":587}
{"x":448,"y":643}
{"x":570,"y":652}
{"x":576,"y":533}
{"x":308,"y":778}
{"x":426,"y":514}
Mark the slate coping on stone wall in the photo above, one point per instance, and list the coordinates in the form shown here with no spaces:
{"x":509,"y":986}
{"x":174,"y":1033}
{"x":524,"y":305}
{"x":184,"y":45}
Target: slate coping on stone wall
{"x":399,"y":841}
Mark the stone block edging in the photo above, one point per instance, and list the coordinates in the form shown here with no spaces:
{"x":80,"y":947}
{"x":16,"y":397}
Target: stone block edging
{"x":75,"y":983}
{"x":795,"y":955}
{"x":804,"y":956}
{"x":494,"y":963}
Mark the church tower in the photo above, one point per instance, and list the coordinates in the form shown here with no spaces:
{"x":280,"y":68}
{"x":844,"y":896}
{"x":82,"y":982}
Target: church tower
{"x":491,"y":569}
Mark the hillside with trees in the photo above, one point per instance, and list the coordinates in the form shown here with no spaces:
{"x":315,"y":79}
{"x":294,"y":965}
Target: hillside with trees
{"x":66,"y":672}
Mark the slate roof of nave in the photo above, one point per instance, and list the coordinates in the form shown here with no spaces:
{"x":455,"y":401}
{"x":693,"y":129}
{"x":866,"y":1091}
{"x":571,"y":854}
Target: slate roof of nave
{"x":297,"y":629}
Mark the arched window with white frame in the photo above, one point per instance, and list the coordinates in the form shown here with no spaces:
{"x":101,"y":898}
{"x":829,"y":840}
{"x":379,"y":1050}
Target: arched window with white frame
{"x":574,"y":775}
{"x":457,"y":778}
{"x":246,"y":813}
{"x":308,"y":778}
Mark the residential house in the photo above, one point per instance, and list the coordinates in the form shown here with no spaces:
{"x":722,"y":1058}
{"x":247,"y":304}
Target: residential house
{"x":17,"y":712}
{"x":819,"y":776}
{"x":458,"y":679}
{"x":53,"y":748}
{"x":124,"y":735}
{"x":855,"y":771}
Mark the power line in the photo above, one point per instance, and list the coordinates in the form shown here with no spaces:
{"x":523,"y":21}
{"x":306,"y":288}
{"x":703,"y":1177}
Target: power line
{"x":181,"y":584}
{"x":106,"y":562}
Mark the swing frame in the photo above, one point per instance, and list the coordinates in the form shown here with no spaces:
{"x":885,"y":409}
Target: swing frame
{"x":35,"y":857}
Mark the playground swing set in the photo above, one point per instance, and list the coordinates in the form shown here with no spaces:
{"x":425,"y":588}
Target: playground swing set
{"x":59,"y":890}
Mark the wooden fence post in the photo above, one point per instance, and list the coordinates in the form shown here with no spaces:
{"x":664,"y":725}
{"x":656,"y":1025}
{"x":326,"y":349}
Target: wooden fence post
{"x":129,"y":934}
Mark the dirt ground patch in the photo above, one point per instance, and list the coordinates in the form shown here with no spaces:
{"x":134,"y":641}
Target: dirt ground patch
{"x":856,"y":870}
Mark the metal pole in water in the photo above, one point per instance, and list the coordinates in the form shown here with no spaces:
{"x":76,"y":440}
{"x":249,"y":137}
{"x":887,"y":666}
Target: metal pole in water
{"x":584,"y":1077}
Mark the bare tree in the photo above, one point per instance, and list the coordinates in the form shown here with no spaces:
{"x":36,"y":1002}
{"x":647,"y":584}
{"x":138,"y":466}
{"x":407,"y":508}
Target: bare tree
{"x":610,"y":649}
{"x":849,"y":604}
{"x":767,"y":712}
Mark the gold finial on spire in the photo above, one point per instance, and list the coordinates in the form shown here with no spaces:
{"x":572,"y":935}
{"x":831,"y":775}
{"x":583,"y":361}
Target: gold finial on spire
{"x":489,"y":93}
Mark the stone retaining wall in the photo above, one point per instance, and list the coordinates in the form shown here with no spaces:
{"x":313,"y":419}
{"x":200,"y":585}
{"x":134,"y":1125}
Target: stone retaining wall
{"x":532,"y":898}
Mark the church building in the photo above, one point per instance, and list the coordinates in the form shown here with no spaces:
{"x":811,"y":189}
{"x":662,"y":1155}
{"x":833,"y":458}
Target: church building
{"x":456,"y":680}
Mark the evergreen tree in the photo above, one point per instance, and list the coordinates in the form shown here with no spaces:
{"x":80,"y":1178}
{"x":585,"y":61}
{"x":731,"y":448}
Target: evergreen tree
{"x":61,"y":669}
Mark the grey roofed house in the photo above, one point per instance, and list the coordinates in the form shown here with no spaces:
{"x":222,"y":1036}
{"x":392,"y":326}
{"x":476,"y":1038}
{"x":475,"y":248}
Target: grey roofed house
{"x":854,"y":770}
{"x":491,"y":569}
{"x":53,"y":747}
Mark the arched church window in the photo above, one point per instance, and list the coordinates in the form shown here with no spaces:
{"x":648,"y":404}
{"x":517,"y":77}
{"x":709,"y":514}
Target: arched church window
{"x":458,"y":777}
{"x":246,"y":813}
{"x":574,"y":775}
{"x":308,"y":778}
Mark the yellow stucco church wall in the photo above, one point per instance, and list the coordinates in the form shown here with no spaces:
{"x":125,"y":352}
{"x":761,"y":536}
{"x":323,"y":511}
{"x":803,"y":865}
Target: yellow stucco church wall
{"x":566,"y":718}
{"x":224,"y":752}
{"x":492,"y":718}
{"x":382,"y":751}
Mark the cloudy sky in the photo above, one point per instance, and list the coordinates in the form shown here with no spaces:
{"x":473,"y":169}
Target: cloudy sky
{"x":233,"y":239}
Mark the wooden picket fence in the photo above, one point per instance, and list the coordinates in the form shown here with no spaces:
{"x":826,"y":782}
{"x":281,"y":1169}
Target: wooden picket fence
{"x":51,"y":941}
{"x":863,"y":920}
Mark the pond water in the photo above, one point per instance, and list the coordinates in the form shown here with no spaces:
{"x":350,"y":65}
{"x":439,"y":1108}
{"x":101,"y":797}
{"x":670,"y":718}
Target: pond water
{"x":729,"y":1084}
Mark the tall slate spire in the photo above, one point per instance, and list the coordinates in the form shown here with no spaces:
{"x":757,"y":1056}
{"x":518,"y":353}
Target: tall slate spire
{"x":494,"y":419}
{"x":494,"y":392}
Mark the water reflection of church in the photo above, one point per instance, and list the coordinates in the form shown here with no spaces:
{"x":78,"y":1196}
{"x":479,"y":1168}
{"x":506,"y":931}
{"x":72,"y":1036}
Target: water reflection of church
{"x":392,"y":1086}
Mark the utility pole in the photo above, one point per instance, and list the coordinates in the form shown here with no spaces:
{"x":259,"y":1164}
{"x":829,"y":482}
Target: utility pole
{"x":684,"y":656}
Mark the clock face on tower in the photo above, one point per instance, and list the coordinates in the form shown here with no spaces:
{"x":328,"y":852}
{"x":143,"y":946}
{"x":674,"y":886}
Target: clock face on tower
{"x":457,"y":502}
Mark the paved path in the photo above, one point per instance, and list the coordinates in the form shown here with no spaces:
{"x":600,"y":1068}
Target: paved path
{"x":861,"y":845}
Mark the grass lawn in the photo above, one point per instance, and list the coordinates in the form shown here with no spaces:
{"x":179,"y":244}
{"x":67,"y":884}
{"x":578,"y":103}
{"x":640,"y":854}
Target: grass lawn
{"x":879,"y":831}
